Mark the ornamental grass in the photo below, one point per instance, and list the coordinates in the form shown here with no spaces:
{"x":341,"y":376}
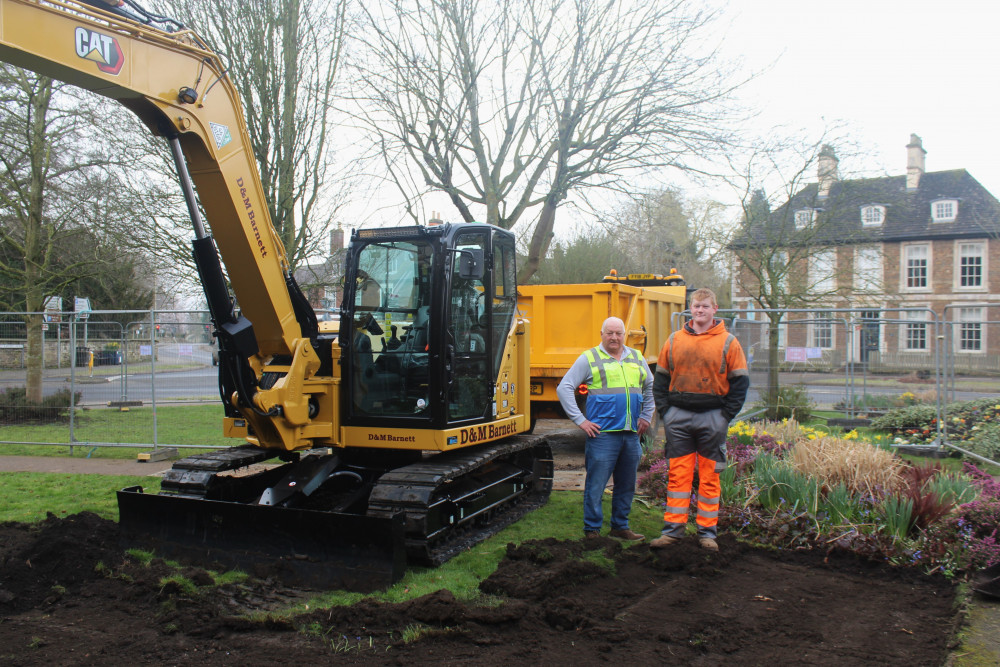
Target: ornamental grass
{"x":863,"y":469}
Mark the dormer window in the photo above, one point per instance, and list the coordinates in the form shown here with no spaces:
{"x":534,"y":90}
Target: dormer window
{"x":804,"y":218}
{"x":944,"y":210}
{"x":872,"y":215}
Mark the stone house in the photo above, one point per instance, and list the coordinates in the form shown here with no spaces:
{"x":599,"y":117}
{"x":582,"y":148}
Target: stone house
{"x":913,"y":259}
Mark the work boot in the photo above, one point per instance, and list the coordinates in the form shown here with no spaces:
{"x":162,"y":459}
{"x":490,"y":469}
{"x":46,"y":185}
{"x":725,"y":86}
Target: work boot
{"x":708,"y":544}
{"x":663,"y":541}
{"x":591,"y":533}
{"x":626,"y":534}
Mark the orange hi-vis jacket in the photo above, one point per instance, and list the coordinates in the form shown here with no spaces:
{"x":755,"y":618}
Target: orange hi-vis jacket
{"x":706,"y":371}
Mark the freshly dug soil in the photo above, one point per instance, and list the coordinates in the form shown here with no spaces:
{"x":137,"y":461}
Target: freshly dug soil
{"x":70,"y":596}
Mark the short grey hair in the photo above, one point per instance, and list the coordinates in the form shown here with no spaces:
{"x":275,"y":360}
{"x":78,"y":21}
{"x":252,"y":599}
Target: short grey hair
{"x":610,"y":320}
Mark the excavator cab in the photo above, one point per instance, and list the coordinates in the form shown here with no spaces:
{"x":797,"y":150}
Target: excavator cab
{"x":425,"y":315}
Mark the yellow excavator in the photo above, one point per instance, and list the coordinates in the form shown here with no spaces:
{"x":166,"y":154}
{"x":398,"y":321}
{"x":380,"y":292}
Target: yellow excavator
{"x":401,"y":437}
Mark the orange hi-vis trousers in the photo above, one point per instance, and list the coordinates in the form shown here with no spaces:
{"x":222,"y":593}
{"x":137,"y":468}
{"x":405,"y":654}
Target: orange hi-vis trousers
{"x":679,"y":483}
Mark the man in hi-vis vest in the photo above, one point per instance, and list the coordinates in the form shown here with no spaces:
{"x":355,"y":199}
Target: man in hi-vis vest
{"x":618,"y":386}
{"x":701,"y":384}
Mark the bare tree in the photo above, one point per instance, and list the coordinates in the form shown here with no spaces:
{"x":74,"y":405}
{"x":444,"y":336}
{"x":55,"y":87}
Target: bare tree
{"x":662,"y":230}
{"x":585,"y":258}
{"x":787,"y":246}
{"x":52,"y":161}
{"x":284,"y":57}
{"x":508,"y":107}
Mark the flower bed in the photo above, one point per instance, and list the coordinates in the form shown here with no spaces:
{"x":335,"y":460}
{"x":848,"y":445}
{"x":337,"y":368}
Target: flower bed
{"x":799,"y":487}
{"x":975,"y":425}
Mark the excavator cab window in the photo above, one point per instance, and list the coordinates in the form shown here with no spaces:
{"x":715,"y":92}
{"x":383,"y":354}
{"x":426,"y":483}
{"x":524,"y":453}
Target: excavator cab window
{"x":470,"y":382}
{"x":390,"y":332}
{"x":504,"y":296}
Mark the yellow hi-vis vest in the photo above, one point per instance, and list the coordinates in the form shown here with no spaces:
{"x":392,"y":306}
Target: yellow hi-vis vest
{"x":614,"y":395}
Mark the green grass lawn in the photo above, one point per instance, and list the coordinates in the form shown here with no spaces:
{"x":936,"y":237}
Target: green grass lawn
{"x":30,"y":496}
{"x":175,"y":425}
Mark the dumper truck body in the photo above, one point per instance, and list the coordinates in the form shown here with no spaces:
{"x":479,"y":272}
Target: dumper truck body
{"x":566,"y":320}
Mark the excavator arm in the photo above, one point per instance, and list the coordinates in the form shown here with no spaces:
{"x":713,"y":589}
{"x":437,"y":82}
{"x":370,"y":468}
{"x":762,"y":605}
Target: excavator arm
{"x":180,"y":90}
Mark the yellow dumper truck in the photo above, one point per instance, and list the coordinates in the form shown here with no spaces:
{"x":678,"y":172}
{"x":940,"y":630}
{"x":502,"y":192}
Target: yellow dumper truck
{"x":566,"y":320}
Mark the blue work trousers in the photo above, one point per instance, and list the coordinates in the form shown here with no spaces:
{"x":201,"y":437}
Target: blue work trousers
{"x":616,"y":454}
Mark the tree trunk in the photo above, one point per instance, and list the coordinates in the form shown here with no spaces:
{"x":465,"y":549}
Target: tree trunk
{"x":35,"y":243}
{"x":773,"y":365}
{"x":540,"y":239}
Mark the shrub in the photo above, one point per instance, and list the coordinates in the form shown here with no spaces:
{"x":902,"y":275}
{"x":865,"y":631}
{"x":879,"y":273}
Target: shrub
{"x":969,"y":540}
{"x":988,"y":487}
{"x":878,"y":402}
{"x":778,"y":437}
{"x":16,"y":408}
{"x":964,"y":420}
{"x":652,"y":480}
{"x":738,"y":450}
{"x":978,"y":527}
{"x":985,"y":441}
{"x":794,"y":402}
{"x":927,"y":505}
{"x":911,"y":417}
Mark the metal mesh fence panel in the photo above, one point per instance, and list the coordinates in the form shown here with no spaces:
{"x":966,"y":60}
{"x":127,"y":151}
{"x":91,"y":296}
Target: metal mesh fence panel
{"x":112,"y":378}
{"x":847,"y":360}
{"x":38,"y":408}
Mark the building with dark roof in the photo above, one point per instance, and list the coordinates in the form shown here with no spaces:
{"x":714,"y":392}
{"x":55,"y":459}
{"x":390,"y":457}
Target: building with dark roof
{"x":903,"y":251}
{"x":322,"y":282}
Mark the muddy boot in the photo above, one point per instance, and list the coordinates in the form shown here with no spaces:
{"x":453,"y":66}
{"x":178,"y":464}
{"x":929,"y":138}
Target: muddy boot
{"x":664,"y":541}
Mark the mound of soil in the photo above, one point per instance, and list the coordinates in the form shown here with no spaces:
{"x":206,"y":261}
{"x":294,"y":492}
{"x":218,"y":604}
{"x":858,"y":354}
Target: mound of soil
{"x":69,"y":595}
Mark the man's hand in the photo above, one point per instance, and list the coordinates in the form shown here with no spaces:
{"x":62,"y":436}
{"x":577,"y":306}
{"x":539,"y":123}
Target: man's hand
{"x":591,"y":429}
{"x":643,"y":426}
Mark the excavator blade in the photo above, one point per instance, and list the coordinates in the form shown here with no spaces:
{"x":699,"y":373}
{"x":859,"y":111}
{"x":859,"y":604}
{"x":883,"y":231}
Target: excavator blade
{"x":323,"y":550}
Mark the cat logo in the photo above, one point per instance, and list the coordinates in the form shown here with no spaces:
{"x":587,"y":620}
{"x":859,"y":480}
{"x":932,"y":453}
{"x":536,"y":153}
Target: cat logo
{"x":102,"y":49}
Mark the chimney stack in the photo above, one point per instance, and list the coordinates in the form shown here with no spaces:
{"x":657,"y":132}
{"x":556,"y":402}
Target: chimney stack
{"x":336,"y":241}
{"x":826,"y":170}
{"x":435,"y":219}
{"x":914,"y":162}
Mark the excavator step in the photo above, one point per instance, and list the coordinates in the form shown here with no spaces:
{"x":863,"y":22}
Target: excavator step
{"x":191,"y":476}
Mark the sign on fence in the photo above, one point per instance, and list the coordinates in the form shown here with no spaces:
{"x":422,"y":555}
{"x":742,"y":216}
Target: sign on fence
{"x":795,"y":354}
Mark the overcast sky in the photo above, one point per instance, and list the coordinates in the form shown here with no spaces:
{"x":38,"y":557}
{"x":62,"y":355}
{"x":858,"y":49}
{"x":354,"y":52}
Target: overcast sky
{"x":883,"y":68}
{"x":888,"y":68}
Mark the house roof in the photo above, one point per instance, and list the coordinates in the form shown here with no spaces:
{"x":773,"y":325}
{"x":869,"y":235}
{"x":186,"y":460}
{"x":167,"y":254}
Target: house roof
{"x":907,"y":212}
{"x":326,"y":273}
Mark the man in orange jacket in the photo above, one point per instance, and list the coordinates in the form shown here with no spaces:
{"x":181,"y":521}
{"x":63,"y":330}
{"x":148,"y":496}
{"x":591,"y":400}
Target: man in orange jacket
{"x":700,"y":384}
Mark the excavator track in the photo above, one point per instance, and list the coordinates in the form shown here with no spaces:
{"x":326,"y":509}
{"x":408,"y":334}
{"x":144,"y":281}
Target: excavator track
{"x":420,"y":513}
{"x":457,"y":499}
